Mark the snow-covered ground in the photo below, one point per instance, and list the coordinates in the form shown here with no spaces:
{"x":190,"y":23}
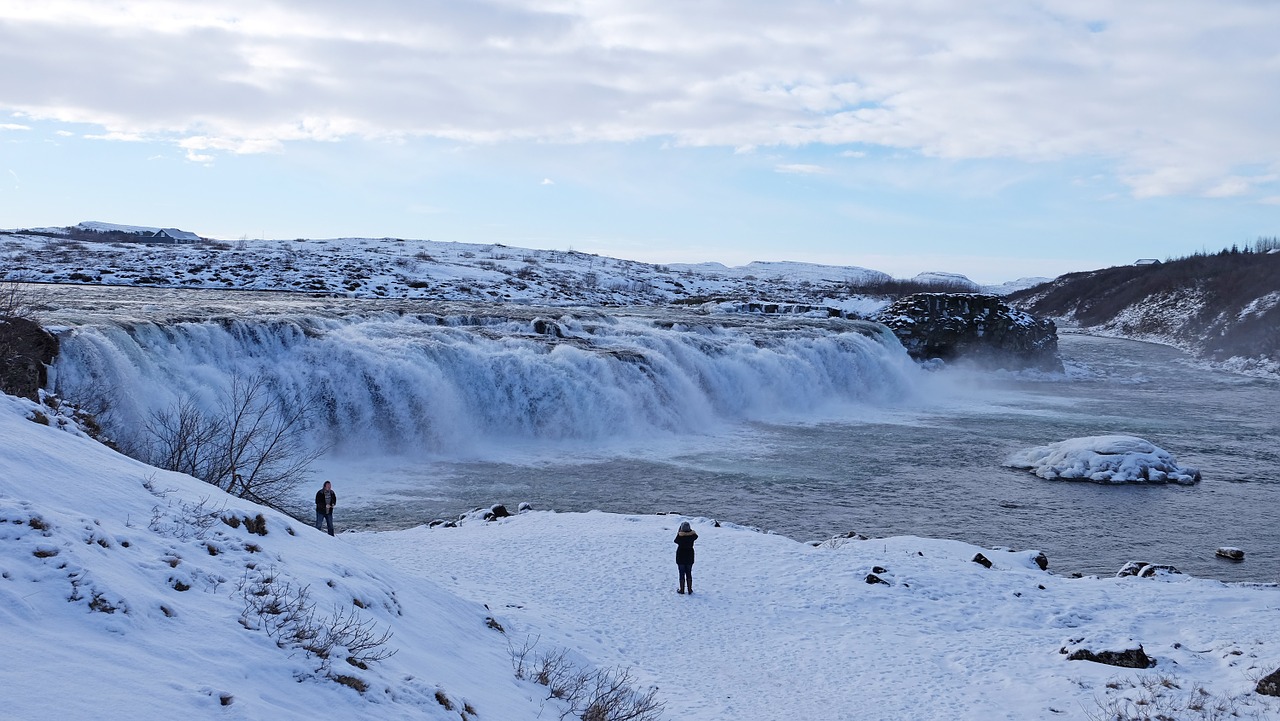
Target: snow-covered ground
{"x":424,"y":269}
{"x":124,"y":595}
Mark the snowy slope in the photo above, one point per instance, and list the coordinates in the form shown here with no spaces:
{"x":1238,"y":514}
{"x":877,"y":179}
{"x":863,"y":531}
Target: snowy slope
{"x":779,"y":629}
{"x":117,"y":601}
{"x":120,"y":602}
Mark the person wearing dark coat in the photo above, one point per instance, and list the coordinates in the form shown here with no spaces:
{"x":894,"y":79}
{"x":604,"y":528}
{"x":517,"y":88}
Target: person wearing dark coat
{"x":326,"y":499}
{"x":684,"y":556}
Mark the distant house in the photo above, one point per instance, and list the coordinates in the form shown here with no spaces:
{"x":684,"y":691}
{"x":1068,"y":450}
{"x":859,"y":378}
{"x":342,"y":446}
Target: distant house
{"x":1146,"y":261}
{"x":173,"y":235}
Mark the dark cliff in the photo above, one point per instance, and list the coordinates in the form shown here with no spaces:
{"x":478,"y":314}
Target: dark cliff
{"x":974,"y":327}
{"x":26,"y":350}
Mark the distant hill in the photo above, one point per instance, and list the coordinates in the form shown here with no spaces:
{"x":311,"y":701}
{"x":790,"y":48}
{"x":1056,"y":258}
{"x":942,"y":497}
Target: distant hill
{"x":1223,"y":308}
{"x":109,"y":254}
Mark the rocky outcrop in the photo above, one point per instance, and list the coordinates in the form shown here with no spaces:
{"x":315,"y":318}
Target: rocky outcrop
{"x":1269,"y":685}
{"x":973,"y":326}
{"x":1128,"y":658}
{"x":26,"y":350}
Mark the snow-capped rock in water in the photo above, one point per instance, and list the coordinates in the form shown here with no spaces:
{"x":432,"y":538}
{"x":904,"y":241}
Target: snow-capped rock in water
{"x":1104,"y":459}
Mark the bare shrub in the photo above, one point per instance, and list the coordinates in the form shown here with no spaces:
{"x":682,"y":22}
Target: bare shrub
{"x":251,"y":446}
{"x":284,"y":611}
{"x":588,"y":694}
{"x":19,"y":299}
{"x":185,"y":521}
{"x":894,"y":288}
{"x":1160,"y":697}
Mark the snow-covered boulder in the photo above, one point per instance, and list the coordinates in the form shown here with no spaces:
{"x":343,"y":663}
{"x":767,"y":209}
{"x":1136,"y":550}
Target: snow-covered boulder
{"x":1112,"y":651}
{"x":1230,"y":552}
{"x":1104,"y":459}
{"x":1142,"y":569}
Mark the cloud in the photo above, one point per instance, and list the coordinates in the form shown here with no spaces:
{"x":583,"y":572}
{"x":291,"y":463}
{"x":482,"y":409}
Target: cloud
{"x":1177,"y":96}
{"x":547,"y":181}
{"x":13,"y":126}
{"x":801,"y":169}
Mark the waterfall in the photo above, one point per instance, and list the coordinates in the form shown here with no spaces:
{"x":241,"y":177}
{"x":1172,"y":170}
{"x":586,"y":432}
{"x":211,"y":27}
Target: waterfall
{"x":431,"y":384}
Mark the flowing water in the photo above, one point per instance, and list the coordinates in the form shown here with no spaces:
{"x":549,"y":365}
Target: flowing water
{"x":935,"y":469}
{"x":804,"y":427}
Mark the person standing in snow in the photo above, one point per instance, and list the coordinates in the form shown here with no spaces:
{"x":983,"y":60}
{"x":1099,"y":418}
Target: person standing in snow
{"x":326,"y":499}
{"x":684,"y":555}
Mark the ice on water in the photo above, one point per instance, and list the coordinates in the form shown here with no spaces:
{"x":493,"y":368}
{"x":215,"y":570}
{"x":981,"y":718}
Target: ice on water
{"x":1104,"y":459}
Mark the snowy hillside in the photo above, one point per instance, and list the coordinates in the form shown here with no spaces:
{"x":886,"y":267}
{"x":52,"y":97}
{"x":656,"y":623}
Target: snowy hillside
{"x":420,"y":269}
{"x":130,"y":593}
{"x":1223,"y":308}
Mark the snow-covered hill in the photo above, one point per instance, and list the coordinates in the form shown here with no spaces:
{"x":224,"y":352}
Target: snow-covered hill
{"x":134,"y":594}
{"x":1223,"y":308}
{"x":127,"y":593}
{"x":420,"y":269}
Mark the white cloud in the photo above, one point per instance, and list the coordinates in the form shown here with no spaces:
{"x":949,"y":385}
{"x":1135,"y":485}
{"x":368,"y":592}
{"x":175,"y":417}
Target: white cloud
{"x":547,"y":181}
{"x":1177,"y":95}
{"x":119,"y":136}
{"x":801,"y":169}
{"x":13,"y":126}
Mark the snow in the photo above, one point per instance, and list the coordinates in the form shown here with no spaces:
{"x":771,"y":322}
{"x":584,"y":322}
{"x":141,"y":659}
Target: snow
{"x":79,"y":531}
{"x":786,"y":270}
{"x":108,"y":227}
{"x":948,"y":280}
{"x":95,"y":547}
{"x":1014,"y":286}
{"x":1104,"y":459}
{"x":417,"y":269}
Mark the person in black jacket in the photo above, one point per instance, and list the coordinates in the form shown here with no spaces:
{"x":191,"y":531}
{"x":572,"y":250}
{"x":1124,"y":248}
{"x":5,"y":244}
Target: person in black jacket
{"x":684,"y":555}
{"x":326,"y":499}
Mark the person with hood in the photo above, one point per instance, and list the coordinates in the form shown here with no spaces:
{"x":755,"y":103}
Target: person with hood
{"x":326,"y":499}
{"x":684,"y":555}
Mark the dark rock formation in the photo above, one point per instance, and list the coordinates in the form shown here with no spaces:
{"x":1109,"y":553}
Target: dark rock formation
{"x":1231,"y":552}
{"x":1142,"y":569}
{"x":497,"y":511}
{"x":873,"y":579}
{"x":1129,"y":658}
{"x":1042,"y":561}
{"x":973,"y":326}
{"x":1269,"y":685}
{"x":982,"y":560}
{"x":26,"y":350}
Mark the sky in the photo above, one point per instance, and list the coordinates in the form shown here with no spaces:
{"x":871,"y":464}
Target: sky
{"x":1000,"y":139}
